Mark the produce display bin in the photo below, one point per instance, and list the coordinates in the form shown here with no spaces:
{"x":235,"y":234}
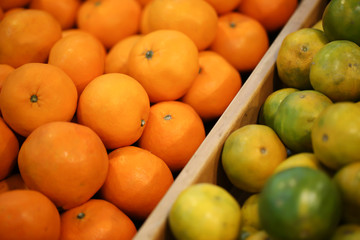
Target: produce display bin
{"x":204,"y":165}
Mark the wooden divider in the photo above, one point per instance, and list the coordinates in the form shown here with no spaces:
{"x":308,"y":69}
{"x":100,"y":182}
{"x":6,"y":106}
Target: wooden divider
{"x":204,"y":165}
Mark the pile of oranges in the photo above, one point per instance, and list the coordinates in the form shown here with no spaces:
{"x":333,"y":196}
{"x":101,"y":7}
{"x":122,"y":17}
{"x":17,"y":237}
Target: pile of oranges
{"x":103,"y":102}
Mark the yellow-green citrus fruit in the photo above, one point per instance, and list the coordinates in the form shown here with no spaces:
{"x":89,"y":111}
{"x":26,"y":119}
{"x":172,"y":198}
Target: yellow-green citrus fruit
{"x":205,"y":211}
{"x":259,"y":235}
{"x":335,"y":71}
{"x":300,"y":204}
{"x":272,"y":103}
{"x":295,"y":55}
{"x":250,"y":154}
{"x":336,"y":135}
{"x":303,"y":159}
{"x":348,"y":181}
{"x":249,"y":212}
{"x":341,"y":20}
{"x":347,"y":232}
{"x":295,"y":116}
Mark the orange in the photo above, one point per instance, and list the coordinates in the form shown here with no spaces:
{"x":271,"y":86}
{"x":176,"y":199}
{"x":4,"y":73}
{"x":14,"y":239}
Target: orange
{"x":335,"y":135}
{"x":109,"y":20}
{"x":28,"y":215}
{"x":196,"y":18}
{"x":9,"y":4}
{"x":165,"y":62}
{"x":96,"y":219}
{"x":65,"y":161}
{"x":216,"y":85}
{"x":28,"y":99}
{"x":346,"y":29}
{"x":27,"y":36}
{"x":81,"y":56}
{"x":5,"y":70}
{"x":143,"y":2}
{"x":223,"y":7}
{"x":273,"y":15}
{"x":12,"y":10}
{"x":250,"y":155}
{"x":137,"y":180}
{"x":9,"y":148}
{"x":1,"y":13}
{"x":117,"y":57}
{"x":116,"y":107}
{"x":12,"y":182}
{"x":331,"y":71}
{"x":241,"y":40}
{"x":64,"y":11}
{"x":294,"y":120}
{"x":174,"y":131}
{"x":296,"y":54}
{"x":348,"y":182}
{"x":205,"y":211}
{"x":69,"y":31}
{"x":250,"y":212}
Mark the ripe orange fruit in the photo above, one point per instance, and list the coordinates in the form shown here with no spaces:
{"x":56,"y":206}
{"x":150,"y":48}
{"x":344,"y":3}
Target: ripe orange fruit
{"x":28,"y":99}
{"x":81,"y":56}
{"x":1,"y":13}
{"x":273,"y":15}
{"x":165,"y":62}
{"x":110,"y":20}
{"x":9,"y":148}
{"x":65,"y":161}
{"x":223,"y":7}
{"x":27,"y":36}
{"x":174,"y":131}
{"x":241,"y":40}
{"x":5,"y":70}
{"x":116,"y":107}
{"x":137,"y":180}
{"x":96,"y":219}
{"x":12,"y":10}
{"x":197,"y":19}
{"x":9,"y":4}
{"x":28,"y":215}
{"x":143,"y":2}
{"x":216,"y":85}
{"x":12,"y":182}
{"x":117,"y":57}
{"x":64,"y":11}
{"x":69,"y":31}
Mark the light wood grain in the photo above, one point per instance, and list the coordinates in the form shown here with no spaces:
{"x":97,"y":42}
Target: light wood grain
{"x":204,"y":165}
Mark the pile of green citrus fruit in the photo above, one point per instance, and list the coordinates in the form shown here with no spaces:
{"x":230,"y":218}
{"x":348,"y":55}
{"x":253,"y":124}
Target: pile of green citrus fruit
{"x":300,"y":163}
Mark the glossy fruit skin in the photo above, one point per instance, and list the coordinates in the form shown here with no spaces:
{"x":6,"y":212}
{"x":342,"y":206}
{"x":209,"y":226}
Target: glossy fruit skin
{"x":205,"y":211}
{"x":271,"y":105}
{"x":249,"y":156}
{"x":341,"y":20}
{"x":348,"y":181}
{"x":295,"y":116}
{"x":335,"y":135}
{"x":295,"y":56}
{"x":300,"y":203}
{"x":335,"y":71}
